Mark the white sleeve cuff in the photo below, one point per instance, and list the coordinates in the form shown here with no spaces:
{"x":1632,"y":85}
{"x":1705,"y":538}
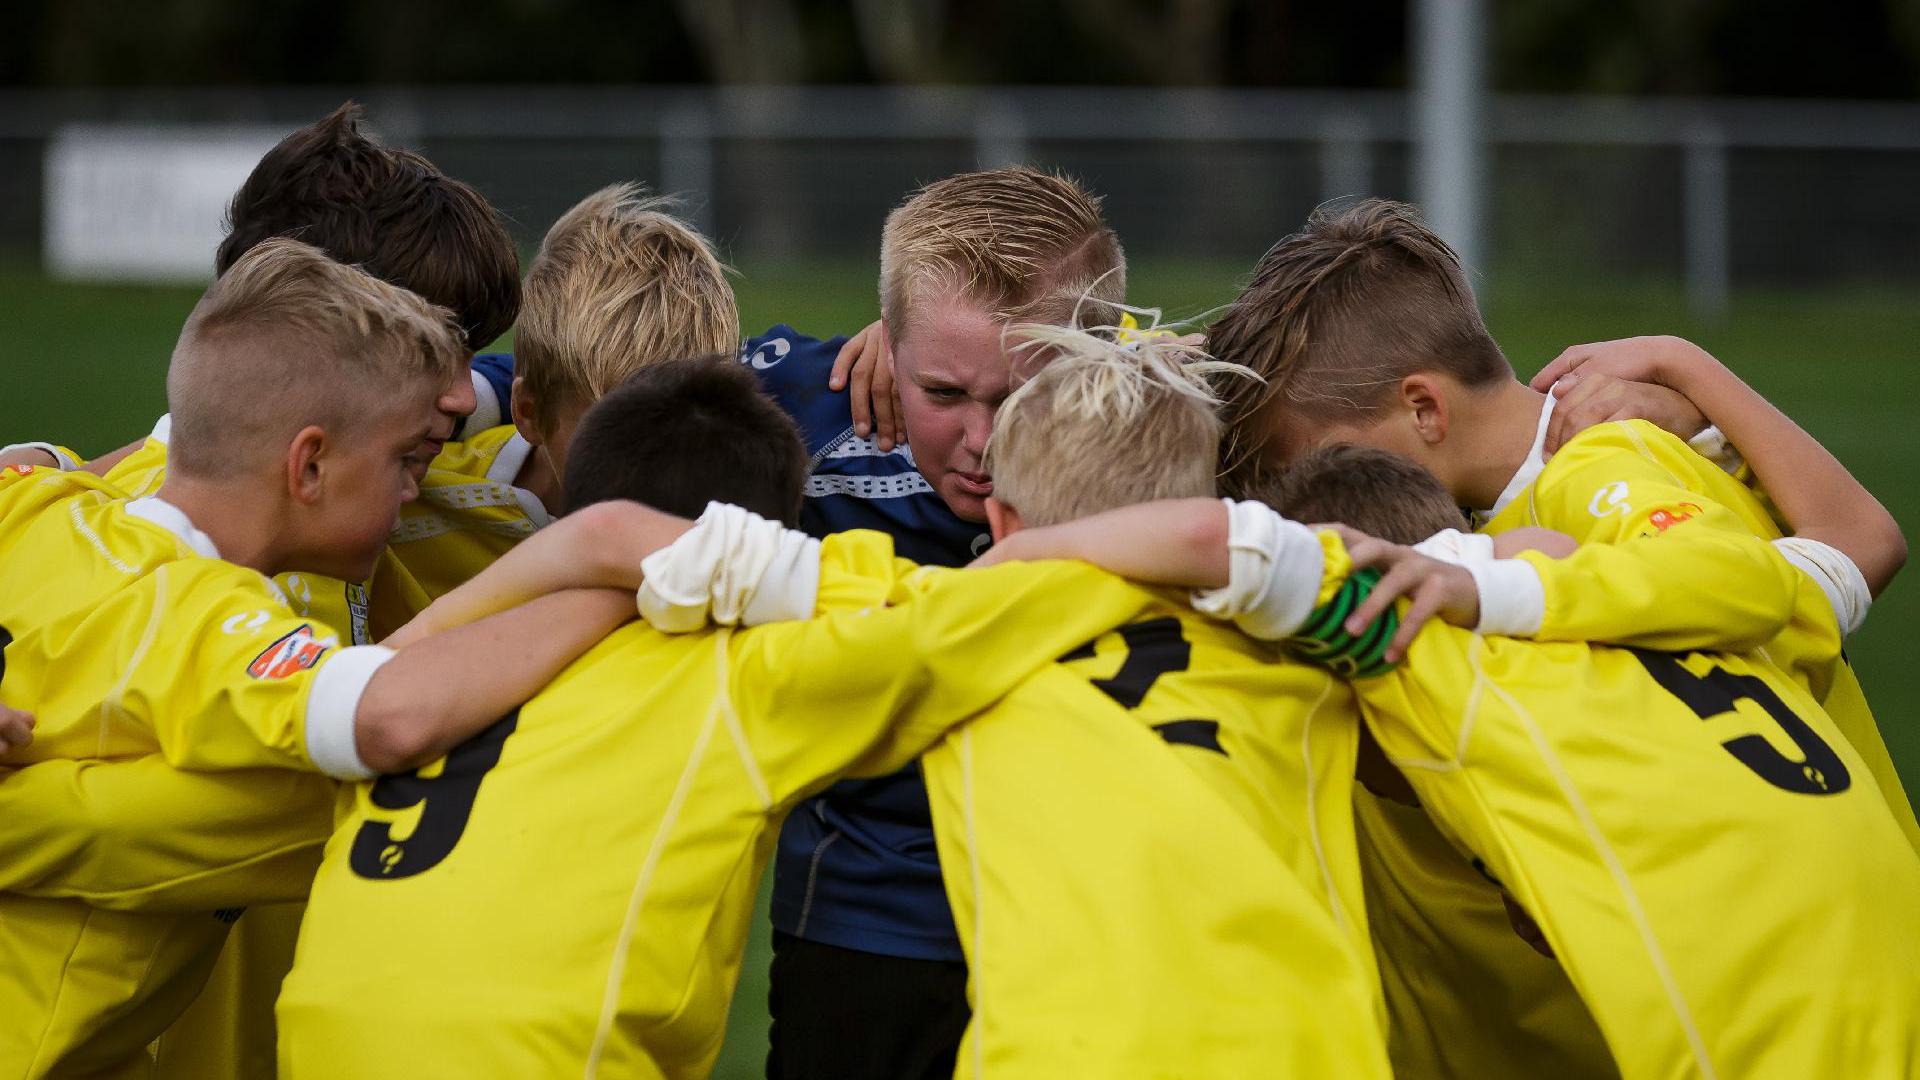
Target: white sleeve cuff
{"x":1712,"y":444}
{"x":333,"y":702}
{"x":486,"y":407}
{"x":732,"y":566}
{"x":1273,"y":577}
{"x":1454,"y":546}
{"x":1513,"y":602}
{"x":1837,"y":576}
{"x":61,"y":460}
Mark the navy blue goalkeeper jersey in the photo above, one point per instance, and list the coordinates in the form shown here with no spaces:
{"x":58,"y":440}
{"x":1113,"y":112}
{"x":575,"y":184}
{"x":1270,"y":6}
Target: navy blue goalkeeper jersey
{"x":856,"y":865}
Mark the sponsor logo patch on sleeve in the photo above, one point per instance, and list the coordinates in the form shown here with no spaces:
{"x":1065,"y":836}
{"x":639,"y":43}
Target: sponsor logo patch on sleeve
{"x":295,"y":652}
{"x":1667,"y":517}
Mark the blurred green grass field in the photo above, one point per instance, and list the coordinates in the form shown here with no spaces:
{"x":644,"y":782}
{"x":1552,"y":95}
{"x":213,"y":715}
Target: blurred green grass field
{"x":86,"y":366}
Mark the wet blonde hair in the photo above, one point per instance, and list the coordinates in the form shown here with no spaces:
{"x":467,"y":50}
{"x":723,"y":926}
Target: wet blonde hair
{"x":620,"y":284}
{"x":1103,"y":424}
{"x":1026,"y":245}
{"x":288,"y":338}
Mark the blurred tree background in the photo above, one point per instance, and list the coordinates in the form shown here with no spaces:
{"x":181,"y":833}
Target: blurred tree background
{"x":1845,"y":48}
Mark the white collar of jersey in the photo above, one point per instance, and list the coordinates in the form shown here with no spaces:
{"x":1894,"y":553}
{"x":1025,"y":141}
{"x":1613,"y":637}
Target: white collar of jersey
{"x":162,"y":429}
{"x":160,"y":512}
{"x":506,"y":466}
{"x":1530,"y":469}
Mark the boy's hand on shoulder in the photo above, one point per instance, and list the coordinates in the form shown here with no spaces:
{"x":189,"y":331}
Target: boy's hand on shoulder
{"x":1637,"y":378}
{"x":1433,"y":588}
{"x":867,"y":361}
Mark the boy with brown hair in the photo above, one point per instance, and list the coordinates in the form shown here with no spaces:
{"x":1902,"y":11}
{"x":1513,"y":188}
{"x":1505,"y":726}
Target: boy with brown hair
{"x":1366,"y":330}
{"x":145,"y":634}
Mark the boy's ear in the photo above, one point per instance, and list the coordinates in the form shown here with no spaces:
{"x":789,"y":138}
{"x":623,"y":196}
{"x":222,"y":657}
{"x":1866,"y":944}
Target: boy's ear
{"x":523,"y":409}
{"x":1423,"y":398}
{"x":307,"y":458}
{"x":1002,"y":520}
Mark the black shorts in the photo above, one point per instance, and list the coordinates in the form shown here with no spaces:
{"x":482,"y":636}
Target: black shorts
{"x":839,"y":1014}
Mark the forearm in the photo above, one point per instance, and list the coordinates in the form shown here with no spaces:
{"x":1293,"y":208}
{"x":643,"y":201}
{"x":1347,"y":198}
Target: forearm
{"x":142,"y":835}
{"x":1643,"y":592}
{"x":1171,"y":542}
{"x":601,"y":546}
{"x":1813,"y":491}
{"x":437,"y":693}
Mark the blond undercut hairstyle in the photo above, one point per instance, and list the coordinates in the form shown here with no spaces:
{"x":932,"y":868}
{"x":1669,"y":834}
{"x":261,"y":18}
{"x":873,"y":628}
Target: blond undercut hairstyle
{"x":620,"y":284}
{"x":288,"y":338}
{"x":1103,"y":425}
{"x":1337,"y":314}
{"x":1027,"y":246}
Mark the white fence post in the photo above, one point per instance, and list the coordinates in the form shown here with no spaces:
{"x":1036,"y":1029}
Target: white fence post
{"x":1449,"y":115}
{"x":686,"y":160}
{"x":1707,"y":217}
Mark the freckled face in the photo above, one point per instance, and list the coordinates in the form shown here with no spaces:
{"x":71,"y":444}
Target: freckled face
{"x":953,"y":372}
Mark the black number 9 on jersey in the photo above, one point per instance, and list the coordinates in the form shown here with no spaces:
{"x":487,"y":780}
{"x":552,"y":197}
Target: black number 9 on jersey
{"x":448,"y":799}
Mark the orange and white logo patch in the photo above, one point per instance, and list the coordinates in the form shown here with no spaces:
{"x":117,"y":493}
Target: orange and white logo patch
{"x":296,"y":651}
{"x":22,"y":470}
{"x":1664,"y":519}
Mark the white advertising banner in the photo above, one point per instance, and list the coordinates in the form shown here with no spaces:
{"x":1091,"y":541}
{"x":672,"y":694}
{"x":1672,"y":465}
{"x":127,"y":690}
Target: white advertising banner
{"x":143,"y":203}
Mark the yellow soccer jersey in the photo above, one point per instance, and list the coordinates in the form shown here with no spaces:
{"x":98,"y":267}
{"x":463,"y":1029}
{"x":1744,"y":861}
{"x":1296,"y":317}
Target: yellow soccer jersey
{"x":342,"y":604}
{"x":1635,"y":803}
{"x":622,"y":818}
{"x":127,"y":640}
{"x":1149,"y":852}
{"x":469,"y":513}
{"x":1627,"y":482}
{"x":1465,"y":996}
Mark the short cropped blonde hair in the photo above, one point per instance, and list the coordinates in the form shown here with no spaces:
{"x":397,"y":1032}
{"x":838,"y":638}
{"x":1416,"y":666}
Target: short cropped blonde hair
{"x":1104,"y":425}
{"x":620,"y":284}
{"x":288,"y":338}
{"x":1027,"y":245}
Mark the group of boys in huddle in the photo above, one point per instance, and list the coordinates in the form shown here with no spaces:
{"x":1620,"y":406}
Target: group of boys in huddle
{"x":1313,"y":698}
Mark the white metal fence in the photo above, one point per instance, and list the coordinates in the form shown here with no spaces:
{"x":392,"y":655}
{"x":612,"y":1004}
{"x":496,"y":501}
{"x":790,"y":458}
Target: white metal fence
{"x":1716,"y":192}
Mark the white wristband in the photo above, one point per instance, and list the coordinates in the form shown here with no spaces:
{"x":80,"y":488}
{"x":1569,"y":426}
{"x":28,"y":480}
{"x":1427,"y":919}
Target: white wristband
{"x":1513,"y":602}
{"x":1836,"y":574}
{"x":732,"y":566}
{"x":1712,"y":444}
{"x":333,"y":707}
{"x":60,"y":458}
{"x":1454,"y":546}
{"x":1273,"y":576}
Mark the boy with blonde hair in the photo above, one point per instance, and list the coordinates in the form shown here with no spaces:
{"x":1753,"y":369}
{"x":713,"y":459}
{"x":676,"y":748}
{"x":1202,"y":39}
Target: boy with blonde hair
{"x":146,"y":633}
{"x":625,"y":812}
{"x":619,"y":285}
{"x":867,"y":972}
{"x":1633,"y":801}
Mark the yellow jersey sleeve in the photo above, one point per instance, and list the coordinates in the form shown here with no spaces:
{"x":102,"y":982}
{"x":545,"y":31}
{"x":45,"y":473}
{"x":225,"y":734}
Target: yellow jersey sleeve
{"x":143,"y":471}
{"x":232,"y":680}
{"x":877,"y":686}
{"x":28,"y":490}
{"x":143,"y":835}
{"x":858,"y":569}
{"x":1663,"y":565}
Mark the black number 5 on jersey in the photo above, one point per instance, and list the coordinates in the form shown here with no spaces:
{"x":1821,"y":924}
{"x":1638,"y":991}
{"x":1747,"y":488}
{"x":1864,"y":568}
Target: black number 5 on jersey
{"x":448,"y":799}
{"x":1819,"y":770}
